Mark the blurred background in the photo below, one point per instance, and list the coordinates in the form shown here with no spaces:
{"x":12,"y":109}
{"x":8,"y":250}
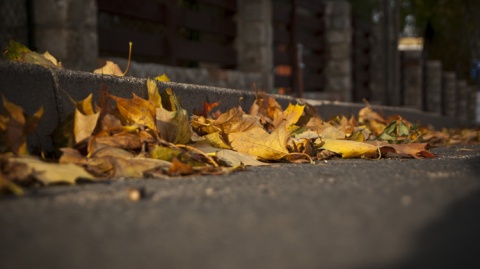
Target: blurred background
{"x":423,"y":54}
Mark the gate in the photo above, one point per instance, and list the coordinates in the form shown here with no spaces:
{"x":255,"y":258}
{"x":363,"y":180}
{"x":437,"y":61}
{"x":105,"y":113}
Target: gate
{"x":298,"y":39}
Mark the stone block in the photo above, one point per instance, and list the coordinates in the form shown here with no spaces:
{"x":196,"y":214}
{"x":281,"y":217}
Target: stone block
{"x":337,"y":36}
{"x":76,"y":49}
{"x":433,"y":86}
{"x":338,"y":68}
{"x":341,"y":22}
{"x":338,"y":52}
{"x":449,"y":94}
{"x":462,"y":102}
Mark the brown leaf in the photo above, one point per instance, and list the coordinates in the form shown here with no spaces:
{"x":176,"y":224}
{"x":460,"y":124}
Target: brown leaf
{"x":179,"y":168}
{"x":235,"y":120}
{"x":136,"y":110}
{"x":206,"y":108}
{"x":415,"y":150}
{"x":172,"y":120}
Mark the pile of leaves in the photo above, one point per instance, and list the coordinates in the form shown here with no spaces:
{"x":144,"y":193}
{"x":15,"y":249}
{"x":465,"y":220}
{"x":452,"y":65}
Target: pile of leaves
{"x":155,"y":137}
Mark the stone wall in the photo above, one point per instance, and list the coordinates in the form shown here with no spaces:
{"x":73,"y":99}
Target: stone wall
{"x":254,"y":42}
{"x":412,"y":79}
{"x":338,"y":45}
{"x":201,"y":76}
{"x":68,"y":30}
{"x":433,"y":86}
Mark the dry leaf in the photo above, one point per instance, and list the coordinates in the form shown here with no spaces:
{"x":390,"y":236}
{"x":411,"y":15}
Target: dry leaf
{"x":179,"y":168}
{"x":110,"y":68}
{"x":51,"y":173}
{"x":350,"y":149}
{"x":260,"y":143}
{"x":136,"y":110}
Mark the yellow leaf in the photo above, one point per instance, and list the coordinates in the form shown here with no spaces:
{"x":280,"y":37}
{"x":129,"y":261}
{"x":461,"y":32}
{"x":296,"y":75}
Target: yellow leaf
{"x":163,"y":78}
{"x":153,"y":94}
{"x":85,"y":119}
{"x":260,"y":143}
{"x":84,"y":125}
{"x":350,"y":149}
{"x":51,"y":173}
{"x":291,"y":115}
{"x":110,"y":68}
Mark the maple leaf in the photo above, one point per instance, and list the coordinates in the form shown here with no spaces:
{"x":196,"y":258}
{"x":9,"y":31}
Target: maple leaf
{"x":291,"y":115}
{"x":136,"y":110}
{"x":260,"y":143}
{"x":235,"y":120}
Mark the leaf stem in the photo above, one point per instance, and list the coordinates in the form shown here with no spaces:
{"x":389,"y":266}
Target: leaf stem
{"x":130,"y":44}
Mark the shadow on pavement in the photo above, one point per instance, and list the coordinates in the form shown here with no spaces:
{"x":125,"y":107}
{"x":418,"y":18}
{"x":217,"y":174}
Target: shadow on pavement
{"x":452,"y":241}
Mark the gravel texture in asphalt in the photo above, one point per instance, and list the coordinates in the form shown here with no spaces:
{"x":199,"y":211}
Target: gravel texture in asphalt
{"x":389,"y":213}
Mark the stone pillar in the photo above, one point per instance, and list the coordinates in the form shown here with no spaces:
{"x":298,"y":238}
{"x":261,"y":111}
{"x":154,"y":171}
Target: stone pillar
{"x":471,"y":104}
{"x":68,"y":30}
{"x":449,"y":94}
{"x":462,"y":95}
{"x":338,"y":44}
{"x":254,"y":41}
{"x":433,"y":86}
{"x":412,"y":79}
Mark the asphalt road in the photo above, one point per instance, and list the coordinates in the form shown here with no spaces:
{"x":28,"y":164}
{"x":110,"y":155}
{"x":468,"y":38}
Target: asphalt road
{"x":390,"y":213}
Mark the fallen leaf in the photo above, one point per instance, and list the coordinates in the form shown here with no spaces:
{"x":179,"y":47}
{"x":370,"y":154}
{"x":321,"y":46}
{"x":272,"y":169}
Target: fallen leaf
{"x":179,"y":168}
{"x":350,"y":149}
{"x":230,"y":157}
{"x":163,"y":78}
{"x":172,"y":121}
{"x":52,"y":173}
{"x":260,"y":143}
{"x":17,"y":52}
{"x":206,"y":108}
{"x":136,"y":110}
{"x":110,"y":68}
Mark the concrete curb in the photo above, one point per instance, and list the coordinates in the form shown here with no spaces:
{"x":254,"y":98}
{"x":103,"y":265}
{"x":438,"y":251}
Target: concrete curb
{"x":32,"y":86}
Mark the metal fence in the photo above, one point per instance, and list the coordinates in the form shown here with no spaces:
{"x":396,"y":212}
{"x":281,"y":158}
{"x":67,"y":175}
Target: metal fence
{"x":178,"y":33}
{"x":298,"y":37}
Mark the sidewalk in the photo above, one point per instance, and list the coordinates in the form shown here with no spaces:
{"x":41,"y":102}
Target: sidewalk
{"x":345,"y":214}
{"x":32,"y":86}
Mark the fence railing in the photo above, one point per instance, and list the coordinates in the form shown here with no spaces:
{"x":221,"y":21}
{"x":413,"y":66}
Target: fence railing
{"x":169,"y":32}
{"x":298,"y":38}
